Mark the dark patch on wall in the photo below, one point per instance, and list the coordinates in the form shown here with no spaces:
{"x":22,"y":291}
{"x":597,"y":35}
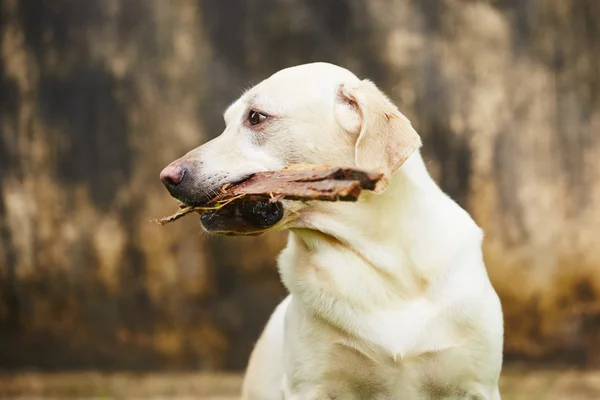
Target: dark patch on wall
{"x":9,"y":106}
{"x":339,"y":32}
{"x":77,"y":95}
{"x":453,"y":155}
{"x":449,"y":149}
{"x":58,"y":24}
{"x":10,"y":99}
{"x":93,"y":146}
{"x":337,"y":16}
{"x":432,"y":12}
{"x":522,"y":16}
{"x":246,"y":310}
{"x":10,"y":320}
{"x":351,"y":37}
{"x":576,"y":308}
{"x":138,"y":312}
{"x":244,"y":299}
{"x":218,"y":17}
{"x":78,"y":319}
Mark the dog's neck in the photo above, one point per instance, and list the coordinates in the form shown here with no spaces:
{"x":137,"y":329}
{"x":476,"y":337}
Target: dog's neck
{"x":408,"y":233}
{"x":379,"y":268}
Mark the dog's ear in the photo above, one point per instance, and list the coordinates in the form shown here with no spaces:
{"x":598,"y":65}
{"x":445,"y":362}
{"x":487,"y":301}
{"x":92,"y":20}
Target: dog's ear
{"x":386,"y":138}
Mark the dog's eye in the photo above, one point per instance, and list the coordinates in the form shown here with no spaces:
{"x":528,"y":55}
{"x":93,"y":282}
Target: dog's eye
{"x":255,"y":118}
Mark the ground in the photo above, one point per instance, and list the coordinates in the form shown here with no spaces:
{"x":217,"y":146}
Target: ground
{"x":517,"y":384}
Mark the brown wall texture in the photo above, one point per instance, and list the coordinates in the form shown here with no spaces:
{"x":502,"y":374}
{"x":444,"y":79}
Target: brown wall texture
{"x":97,"y":96}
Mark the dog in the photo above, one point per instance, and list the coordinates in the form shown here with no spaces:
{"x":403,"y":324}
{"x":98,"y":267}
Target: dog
{"x":389,"y":295}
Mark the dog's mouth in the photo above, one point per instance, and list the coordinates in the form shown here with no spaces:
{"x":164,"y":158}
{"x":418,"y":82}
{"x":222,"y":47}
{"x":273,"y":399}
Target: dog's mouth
{"x":244,"y":217}
{"x":253,"y":205}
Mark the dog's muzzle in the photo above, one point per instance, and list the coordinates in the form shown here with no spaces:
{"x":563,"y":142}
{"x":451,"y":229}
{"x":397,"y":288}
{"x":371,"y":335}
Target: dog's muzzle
{"x":241,"y":217}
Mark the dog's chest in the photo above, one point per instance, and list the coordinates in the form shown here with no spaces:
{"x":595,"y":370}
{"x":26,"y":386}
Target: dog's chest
{"x":346,"y":374}
{"x":323,"y":364}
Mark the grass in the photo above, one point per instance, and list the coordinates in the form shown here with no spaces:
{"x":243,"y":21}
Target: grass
{"x":516,"y":384}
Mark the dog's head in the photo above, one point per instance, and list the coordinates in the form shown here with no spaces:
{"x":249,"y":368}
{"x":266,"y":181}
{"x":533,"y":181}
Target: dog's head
{"x":310,"y":114}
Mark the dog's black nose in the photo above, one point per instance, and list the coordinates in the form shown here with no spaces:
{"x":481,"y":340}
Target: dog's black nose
{"x":172,"y":175}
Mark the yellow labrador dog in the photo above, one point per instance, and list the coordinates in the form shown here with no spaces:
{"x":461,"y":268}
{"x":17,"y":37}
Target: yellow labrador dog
{"x":389,"y":296}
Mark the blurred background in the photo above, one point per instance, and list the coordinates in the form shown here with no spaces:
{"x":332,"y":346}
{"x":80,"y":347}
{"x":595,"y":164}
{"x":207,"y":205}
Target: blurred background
{"x":97,"y":96}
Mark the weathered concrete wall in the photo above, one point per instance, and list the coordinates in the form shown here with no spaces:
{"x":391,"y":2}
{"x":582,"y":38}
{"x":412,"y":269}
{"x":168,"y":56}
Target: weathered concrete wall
{"x":97,"y":96}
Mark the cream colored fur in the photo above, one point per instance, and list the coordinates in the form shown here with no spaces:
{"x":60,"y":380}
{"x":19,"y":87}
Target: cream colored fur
{"x":389,"y":296}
